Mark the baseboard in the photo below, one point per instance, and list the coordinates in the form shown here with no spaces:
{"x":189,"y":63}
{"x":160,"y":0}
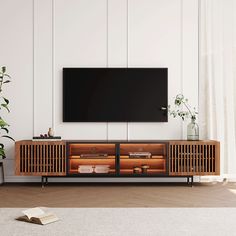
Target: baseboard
{"x":222,"y":178}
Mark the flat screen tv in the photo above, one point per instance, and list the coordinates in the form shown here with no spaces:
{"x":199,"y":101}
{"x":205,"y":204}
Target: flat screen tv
{"x":115,"y":94}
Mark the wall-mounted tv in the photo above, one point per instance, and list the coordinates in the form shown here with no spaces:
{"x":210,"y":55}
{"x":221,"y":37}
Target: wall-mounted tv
{"x":115,"y":94}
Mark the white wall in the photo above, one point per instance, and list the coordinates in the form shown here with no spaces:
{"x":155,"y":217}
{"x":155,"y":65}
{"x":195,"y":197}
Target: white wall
{"x":43,"y":36}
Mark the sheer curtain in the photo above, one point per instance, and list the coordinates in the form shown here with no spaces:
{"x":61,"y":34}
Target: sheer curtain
{"x":217,"y":79}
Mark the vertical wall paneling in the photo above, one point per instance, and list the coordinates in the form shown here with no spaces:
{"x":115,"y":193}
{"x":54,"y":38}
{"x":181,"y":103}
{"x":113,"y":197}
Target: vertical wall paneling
{"x":80,"y":40}
{"x":43,"y":86}
{"x":117,"y":53}
{"x":190,"y":53}
{"x":154,"y":41}
{"x":117,"y":28}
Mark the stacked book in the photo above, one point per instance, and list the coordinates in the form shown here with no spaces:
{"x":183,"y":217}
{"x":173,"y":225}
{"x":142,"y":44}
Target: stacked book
{"x":46,"y":138}
{"x":94,"y":155}
{"x":140,"y":155}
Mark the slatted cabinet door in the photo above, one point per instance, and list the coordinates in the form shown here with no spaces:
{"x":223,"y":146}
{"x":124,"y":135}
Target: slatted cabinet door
{"x":39,"y":158}
{"x":194,"y":158}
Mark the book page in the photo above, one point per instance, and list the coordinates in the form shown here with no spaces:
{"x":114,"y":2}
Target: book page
{"x":48,"y":218}
{"x":33,"y":212}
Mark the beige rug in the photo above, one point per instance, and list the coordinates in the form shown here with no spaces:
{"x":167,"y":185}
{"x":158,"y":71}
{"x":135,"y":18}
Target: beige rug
{"x":124,"y":222}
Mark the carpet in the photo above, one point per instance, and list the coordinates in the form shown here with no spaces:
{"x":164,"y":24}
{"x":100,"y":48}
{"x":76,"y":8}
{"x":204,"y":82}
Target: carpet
{"x":125,"y":222}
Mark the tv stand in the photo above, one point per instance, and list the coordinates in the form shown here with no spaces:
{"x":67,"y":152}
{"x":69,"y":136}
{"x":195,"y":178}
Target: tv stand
{"x":118,"y":159}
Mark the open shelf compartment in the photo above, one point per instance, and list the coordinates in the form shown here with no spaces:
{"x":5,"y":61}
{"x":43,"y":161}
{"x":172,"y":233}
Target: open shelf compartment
{"x":153,"y":165}
{"x":91,"y":159}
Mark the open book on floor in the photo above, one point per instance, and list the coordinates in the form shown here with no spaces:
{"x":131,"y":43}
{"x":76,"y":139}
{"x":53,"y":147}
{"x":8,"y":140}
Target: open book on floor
{"x":37,"y":215}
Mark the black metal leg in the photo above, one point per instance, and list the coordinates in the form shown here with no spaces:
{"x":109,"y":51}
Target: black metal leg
{"x":191,"y":181}
{"x":42,"y":181}
{"x":188,"y":180}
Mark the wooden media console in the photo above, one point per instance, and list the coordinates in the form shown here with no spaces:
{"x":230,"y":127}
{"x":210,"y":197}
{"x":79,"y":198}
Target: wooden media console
{"x":170,"y":158}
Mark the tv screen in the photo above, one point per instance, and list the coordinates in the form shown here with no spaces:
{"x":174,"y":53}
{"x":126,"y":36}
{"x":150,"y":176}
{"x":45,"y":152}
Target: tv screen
{"x":115,"y":94}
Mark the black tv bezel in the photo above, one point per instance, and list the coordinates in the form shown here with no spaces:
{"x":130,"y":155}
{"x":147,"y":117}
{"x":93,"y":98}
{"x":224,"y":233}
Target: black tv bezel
{"x":110,"y":121}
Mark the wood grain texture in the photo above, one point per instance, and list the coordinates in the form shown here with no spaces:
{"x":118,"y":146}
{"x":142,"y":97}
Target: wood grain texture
{"x":194,"y":158}
{"x":119,"y":195}
{"x":37,"y":158}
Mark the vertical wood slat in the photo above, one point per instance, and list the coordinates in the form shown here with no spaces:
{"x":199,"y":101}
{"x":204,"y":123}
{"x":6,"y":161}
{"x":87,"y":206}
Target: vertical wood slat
{"x":194,"y":158}
{"x":58,"y":159}
{"x":45,"y":159}
{"x":175,"y":158}
{"x":213,"y":154}
{"x":31,"y":158}
{"x":61,"y":158}
{"x":203,"y":154}
{"x":181,"y":158}
{"x":50,"y":159}
{"x":21,"y":159}
{"x":59,"y":154}
{"x":28,"y":158}
{"x":61,"y":147}
{"x":37,"y":154}
{"x":172,"y":162}
{"x":53,"y":160}
{"x":185,"y":156}
{"x":25,"y":156}
{"x":64,"y":148}
{"x":40,"y":158}
{"x":56,"y":151}
{"x":34,"y":157}
{"x":209,"y":159}
{"x":200,"y":158}
{"x":190,"y":160}
{"x":197,"y":158}
{"x":178,"y":159}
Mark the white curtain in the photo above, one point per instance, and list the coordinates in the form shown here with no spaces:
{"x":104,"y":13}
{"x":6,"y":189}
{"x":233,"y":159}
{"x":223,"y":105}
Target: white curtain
{"x":217,"y":79}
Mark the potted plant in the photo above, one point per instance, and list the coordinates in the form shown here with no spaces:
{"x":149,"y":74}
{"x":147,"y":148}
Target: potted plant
{"x":4,"y":102}
{"x":184,"y":111}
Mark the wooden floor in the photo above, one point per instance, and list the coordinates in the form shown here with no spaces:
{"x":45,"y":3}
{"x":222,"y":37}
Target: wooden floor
{"x":118,"y":195}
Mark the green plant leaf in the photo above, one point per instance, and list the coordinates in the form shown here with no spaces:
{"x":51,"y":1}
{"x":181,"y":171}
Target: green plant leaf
{"x":6,"y":136}
{"x":6,"y":100}
{"x":4,"y":69}
{"x":7,"y":131}
{"x":3,"y":123}
{"x":7,"y":75}
{"x":5,"y":106}
{"x":2,"y":153}
{"x":7,"y":81}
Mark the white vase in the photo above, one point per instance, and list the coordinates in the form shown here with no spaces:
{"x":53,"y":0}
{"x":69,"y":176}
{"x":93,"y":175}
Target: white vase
{"x":50,"y":132}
